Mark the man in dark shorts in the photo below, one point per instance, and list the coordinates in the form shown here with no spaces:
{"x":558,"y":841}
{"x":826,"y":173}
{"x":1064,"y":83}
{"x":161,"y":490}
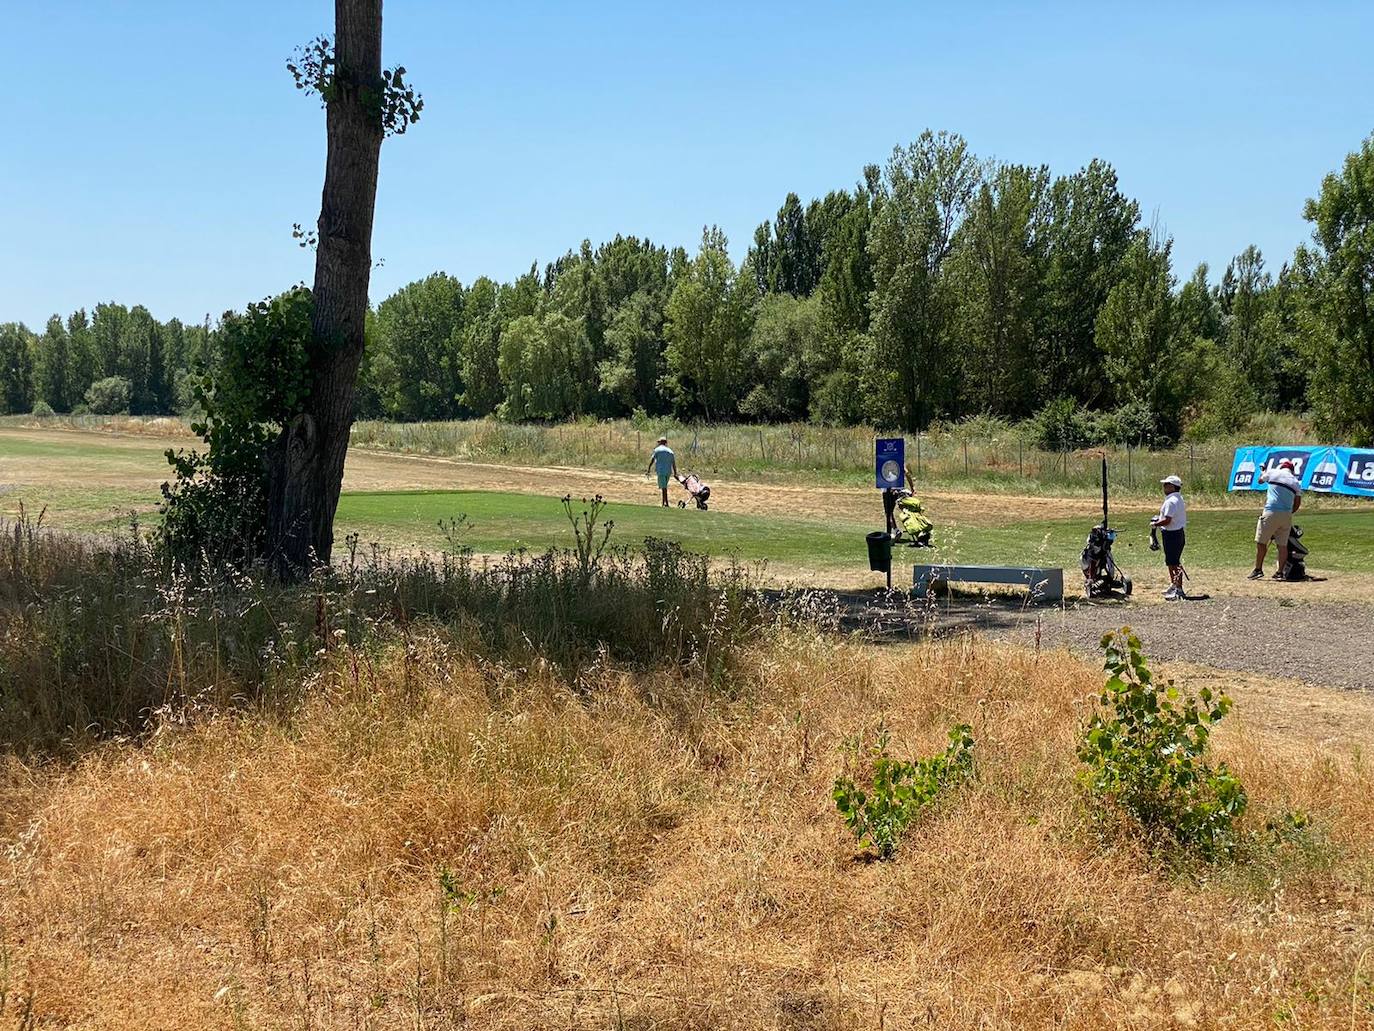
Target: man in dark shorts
{"x":1172,"y":518}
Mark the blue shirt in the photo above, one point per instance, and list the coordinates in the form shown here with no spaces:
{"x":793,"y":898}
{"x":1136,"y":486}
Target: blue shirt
{"x":663,"y":460}
{"x":1279,"y":499}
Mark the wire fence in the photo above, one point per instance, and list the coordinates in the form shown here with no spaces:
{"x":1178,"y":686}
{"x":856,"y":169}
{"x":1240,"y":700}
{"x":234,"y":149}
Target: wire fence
{"x":838,"y":453}
{"x":841,"y":454}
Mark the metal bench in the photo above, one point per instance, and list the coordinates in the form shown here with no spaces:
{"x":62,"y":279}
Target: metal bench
{"x":1044,"y":584}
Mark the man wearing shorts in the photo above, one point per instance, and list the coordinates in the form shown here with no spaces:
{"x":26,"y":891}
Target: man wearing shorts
{"x":664,"y":462}
{"x":1276,"y":521}
{"x":1172,"y":518}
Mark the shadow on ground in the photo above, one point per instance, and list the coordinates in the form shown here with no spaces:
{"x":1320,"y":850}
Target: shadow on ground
{"x":1325,"y":643}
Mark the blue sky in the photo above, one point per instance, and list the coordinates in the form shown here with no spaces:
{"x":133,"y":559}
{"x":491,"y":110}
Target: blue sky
{"x":158,"y":153}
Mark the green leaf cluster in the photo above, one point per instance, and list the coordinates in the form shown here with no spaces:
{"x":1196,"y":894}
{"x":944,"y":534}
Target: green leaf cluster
{"x":1145,"y":752}
{"x":394,"y":101}
{"x":900,"y":789}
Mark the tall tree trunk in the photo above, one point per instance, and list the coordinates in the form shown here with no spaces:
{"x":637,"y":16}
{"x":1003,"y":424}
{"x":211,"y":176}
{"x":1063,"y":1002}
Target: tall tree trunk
{"x":308,"y":460}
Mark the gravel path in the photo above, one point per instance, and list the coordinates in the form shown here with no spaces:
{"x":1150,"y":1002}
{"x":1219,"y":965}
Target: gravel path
{"x":1325,"y":643}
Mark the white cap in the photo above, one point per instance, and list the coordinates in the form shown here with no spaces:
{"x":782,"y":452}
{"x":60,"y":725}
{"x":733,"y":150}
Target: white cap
{"x":1173,"y":481}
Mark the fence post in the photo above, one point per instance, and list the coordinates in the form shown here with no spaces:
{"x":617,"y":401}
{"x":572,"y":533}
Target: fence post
{"x":1130,"y":476}
{"x":918,"y":454}
{"x":1020,"y":466}
{"x":965,"y":456}
{"x":1192,"y":471}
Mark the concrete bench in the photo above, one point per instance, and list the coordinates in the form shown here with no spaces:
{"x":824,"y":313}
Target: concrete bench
{"x":1044,"y":584}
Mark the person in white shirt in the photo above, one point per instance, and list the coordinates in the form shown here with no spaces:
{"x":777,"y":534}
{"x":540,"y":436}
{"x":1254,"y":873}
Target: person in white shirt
{"x":1172,"y":518}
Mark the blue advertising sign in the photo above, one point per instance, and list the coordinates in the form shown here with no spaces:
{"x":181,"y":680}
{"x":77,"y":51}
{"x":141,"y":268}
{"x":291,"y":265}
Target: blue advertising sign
{"x":1297,"y":455}
{"x":1325,"y":471}
{"x":1320,"y":469}
{"x":889,"y":459}
{"x":1356,"y":472}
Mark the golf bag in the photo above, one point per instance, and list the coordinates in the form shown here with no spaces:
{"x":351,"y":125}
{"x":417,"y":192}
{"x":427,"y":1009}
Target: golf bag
{"x":1296,"y":568}
{"x":1101,"y":574}
{"x":912,"y":524}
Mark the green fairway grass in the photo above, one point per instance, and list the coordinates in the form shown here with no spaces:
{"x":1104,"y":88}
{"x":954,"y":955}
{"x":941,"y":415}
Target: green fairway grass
{"x":504,"y":522}
{"x":1341,"y":540}
{"x":1340,"y":533}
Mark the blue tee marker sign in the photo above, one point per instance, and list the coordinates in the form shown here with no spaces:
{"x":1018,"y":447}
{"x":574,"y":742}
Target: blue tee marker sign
{"x":889,"y":459}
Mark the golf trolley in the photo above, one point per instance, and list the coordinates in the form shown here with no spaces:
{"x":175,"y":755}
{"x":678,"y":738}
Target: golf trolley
{"x":1102,"y":577}
{"x":698,"y":492}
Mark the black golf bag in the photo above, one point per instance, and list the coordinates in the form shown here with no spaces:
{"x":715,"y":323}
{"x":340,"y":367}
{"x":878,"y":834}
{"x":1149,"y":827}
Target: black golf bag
{"x":1296,"y":569}
{"x":1101,"y":574}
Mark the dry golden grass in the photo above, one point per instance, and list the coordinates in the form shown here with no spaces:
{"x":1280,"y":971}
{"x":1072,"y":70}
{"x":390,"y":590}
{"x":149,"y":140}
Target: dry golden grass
{"x":643,"y":857}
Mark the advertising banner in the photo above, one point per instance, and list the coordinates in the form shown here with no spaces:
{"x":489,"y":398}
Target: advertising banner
{"x":1320,"y":469}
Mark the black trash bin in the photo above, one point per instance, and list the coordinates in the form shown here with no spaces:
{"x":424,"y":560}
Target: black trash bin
{"x":879,"y":552}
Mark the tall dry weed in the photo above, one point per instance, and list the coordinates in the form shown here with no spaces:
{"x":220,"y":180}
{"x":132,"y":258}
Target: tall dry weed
{"x":431,"y":841}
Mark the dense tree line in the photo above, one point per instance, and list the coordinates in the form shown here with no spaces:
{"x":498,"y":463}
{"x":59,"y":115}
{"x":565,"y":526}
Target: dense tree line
{"x":114,"y":359}
{"x":939,"y":286}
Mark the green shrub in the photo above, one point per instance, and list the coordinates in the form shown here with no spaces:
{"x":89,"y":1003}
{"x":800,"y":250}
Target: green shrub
{"x":110,"y":396}
{"x":215,"y":510}
{"x":1064,"y":425}
{"x":983,"y":427}
{"x":184,"y":399}
{"x":900,"y":789}
{"x":1145,"y":751}
{"x":42,"y":410}
{"x":1133,"y":424}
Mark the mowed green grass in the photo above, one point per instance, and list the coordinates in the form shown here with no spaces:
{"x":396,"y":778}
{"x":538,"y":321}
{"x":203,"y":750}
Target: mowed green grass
{"x":501,"y":522}
{"x":56,"y":474}
{"x":1341,"y":540}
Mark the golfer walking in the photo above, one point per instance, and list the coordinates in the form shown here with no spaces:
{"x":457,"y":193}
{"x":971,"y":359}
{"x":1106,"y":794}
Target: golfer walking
{"x":664,"y":462}
{"x":1172,"y":518}
{"x":1276,"y":521}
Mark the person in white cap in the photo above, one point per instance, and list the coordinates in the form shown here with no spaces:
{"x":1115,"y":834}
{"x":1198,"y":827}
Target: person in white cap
{"x":1172,"y":518}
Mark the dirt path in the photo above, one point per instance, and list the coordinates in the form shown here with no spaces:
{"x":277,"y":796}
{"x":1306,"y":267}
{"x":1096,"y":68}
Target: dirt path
{"x":1325,"y":643}
{"x":135,"y":461}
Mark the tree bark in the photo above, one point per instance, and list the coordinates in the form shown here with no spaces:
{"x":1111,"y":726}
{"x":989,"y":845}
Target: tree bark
{"x":307,"y":463}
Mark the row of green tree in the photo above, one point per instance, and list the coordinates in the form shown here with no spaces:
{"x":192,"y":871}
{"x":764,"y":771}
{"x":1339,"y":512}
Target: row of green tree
{"x":940,"y":286}
{"x":113,"y":360}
